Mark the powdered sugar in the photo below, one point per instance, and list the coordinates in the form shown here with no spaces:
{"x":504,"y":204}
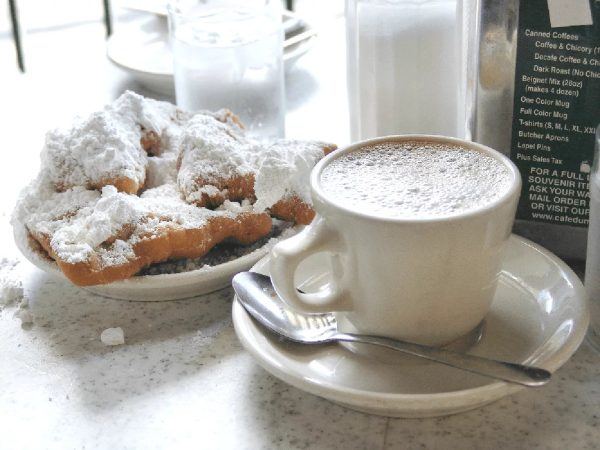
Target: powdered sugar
{"x":12,"y":293}
{"x":214,"y":150}
{"x":283,"y":169}
{"x":161,"y":170}
{"x":109,"y":223}
{"x":106,"y":145}
{"x":113,"y":336}
{"x":44,"y":211}
{"x":220,"y":151}
{"x":11,"y":286}
{"x":77,"y":236}
{"x":24,"y":315}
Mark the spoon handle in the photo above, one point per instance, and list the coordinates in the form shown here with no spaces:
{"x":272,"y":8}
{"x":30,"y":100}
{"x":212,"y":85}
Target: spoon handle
{"x":506,"y":371}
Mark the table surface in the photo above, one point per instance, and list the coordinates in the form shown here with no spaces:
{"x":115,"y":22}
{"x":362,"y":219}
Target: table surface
{"x":182,"y":380}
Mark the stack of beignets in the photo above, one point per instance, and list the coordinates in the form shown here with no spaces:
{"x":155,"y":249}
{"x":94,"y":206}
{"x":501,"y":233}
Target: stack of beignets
{"x":142,"y":182}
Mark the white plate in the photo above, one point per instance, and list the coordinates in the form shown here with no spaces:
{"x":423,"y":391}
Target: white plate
{"x":157,"y":287}
{"x":539,"y":316}
{"x":291,"y":22}
{"x":141,"y":48}
{"x":158,"y":7}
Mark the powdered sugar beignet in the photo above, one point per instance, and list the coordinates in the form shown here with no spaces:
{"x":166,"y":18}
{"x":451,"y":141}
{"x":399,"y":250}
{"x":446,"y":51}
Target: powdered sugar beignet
{"x":98,"y":237}
{"x":218,"y":162}
{"x":110,"y":147}
{"x":128,"y":187}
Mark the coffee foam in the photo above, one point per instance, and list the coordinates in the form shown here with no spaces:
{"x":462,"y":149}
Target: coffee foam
{"x":415,"y":180}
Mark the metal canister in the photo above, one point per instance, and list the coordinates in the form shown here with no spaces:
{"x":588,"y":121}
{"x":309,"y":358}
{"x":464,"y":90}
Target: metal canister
{"x":533,"y":93}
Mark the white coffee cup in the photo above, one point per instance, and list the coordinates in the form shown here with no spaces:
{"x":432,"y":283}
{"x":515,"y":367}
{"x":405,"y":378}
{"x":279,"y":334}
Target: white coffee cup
{"x":426,"y":277}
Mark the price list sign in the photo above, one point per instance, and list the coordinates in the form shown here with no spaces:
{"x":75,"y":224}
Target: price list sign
{"x":556,"y":108}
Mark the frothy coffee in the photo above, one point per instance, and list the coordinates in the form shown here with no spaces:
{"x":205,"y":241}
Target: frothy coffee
{"x":415,"y":179}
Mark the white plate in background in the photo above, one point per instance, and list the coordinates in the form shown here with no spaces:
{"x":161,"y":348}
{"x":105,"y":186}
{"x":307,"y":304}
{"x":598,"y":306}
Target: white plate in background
{"x":291,"y":22}
{"x":141,"y":48}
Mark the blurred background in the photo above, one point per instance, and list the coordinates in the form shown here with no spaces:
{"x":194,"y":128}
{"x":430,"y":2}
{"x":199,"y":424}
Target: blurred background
{"x":59,"y":31}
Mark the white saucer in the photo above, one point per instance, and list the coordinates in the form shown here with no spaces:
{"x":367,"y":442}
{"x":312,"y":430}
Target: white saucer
{"x":158,"y":7}
{"x":162,"y":286}
{"x":539,"y":316}
{"x":141,"y":48}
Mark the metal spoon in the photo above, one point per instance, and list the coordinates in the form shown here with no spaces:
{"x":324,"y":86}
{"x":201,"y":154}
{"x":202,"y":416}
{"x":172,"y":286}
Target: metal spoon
{"x":257,"y":295}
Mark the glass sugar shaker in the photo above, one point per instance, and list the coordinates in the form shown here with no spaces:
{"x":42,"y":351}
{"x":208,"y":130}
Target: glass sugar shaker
{"x":403,"y":67}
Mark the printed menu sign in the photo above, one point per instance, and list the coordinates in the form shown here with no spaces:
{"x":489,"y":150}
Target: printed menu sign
{"x":556,"y":108}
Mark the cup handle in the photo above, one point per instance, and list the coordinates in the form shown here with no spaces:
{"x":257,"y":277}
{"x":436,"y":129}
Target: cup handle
{"x":287,"y":255}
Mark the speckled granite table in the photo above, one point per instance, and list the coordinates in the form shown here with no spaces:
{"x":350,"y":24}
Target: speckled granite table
{"x":182,"y":379}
